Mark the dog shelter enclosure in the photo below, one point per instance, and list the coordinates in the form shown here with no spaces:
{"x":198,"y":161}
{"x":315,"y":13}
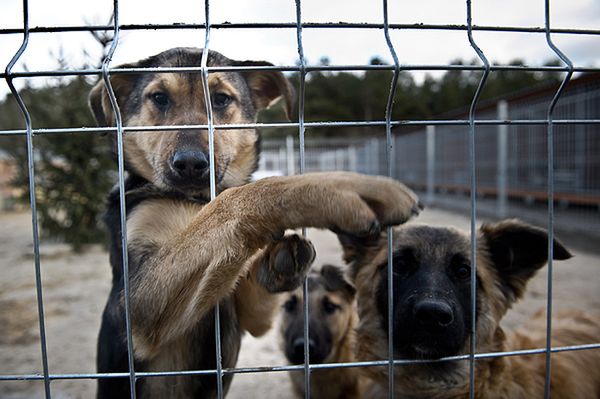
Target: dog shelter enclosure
{"x":539,"y":147}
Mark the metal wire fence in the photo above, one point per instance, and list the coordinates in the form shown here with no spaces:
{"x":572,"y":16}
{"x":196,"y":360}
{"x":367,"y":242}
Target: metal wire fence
{"x":511,"y":169}
{"x":547,"y":119}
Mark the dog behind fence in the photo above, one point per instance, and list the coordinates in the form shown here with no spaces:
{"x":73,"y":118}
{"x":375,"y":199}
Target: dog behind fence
{"x":386,"y":155}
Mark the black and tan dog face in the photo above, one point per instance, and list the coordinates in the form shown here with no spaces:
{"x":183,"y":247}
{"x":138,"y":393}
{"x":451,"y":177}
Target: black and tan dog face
{"x":179,"y":160}
{"x":331,"y":317}
{"x":432,"y":285}
{"x":432,"y":292}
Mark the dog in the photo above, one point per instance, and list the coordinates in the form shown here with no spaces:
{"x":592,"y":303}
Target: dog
{"x":332,"y":319}
{"x":432,"y":314}
{"x":186,"y":254}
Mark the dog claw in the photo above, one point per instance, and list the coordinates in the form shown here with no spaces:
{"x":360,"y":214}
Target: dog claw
{"x":416,"y":210}
{"x":374,"y":229}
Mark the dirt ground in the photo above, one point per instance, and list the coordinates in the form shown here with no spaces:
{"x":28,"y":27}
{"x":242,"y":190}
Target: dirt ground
{"x":76,"y":286}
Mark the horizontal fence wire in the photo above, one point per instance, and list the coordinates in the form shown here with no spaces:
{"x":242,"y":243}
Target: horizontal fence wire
{"x":304,"y":25}
{"x":303,"y":69}
{"x":300,"y":367}
{"x":335,"y":124}
{"x":293,"y":68}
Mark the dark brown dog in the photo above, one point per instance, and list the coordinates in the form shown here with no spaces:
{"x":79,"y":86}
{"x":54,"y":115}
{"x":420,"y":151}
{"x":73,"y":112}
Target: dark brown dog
{"x":187,"y":255}
{"x":332,"y":319}
{"x":432,"y":314}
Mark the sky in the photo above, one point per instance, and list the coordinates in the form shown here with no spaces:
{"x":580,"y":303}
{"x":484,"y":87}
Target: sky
{"x":341,"y":46}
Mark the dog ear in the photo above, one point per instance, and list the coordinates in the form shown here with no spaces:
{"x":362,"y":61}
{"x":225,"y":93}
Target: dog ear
{"x":518,"y":250}
{"x":99,"y":102}
{"x":267,"y":86}
{"x":335,"y":281}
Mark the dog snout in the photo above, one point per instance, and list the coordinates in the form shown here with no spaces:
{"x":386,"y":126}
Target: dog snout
{"x":297,"y":350}
{"x":189,"y":163}
{"x":433,"y":313}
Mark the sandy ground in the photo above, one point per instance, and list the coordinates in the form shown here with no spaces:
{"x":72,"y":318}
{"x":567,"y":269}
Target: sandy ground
{"x":76,"y":285}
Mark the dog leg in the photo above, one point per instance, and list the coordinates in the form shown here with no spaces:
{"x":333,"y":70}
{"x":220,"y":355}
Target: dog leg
{"x":168,"y":299}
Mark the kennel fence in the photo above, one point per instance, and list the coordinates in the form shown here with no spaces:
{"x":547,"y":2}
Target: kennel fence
{"x":511,"y":169}
{"x":390,"y":150}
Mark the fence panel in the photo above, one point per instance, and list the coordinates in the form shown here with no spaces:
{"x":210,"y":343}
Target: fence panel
{"x":529,"y":153}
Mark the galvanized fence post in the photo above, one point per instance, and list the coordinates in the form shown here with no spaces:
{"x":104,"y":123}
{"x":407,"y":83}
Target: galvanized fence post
{"x":502,"y":161}
{"x":290,"y":155}
{"x":430,"y":164}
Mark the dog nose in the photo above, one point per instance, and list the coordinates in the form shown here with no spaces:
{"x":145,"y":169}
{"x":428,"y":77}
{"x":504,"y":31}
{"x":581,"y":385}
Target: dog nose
{"x":433,"y":313}
{"x":189,"y":163}
{"x":298,"y":349}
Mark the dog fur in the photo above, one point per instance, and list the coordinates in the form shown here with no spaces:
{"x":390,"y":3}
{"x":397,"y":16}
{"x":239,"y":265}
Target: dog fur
{"x":332,"y":319}
{"x":186,"y":254}
{"x":432,"y":314}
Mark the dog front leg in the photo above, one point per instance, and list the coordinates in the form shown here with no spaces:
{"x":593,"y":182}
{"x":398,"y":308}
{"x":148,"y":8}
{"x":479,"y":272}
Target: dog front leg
{"x":187,"y":275}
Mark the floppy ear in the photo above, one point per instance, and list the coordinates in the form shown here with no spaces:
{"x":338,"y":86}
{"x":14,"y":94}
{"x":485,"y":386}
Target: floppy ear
{"x":267,"y":86}
{"x":518,"y":250}
{"x":99,"y":102}
{"x":335,"y":281}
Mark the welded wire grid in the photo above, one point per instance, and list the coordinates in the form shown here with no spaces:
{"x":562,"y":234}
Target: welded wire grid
{"x":303,"y":69}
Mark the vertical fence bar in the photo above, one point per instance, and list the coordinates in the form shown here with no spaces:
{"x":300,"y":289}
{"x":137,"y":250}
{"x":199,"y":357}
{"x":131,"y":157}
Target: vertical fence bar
{"x":550,"y":149}
{"x":32,"y":199}
{"x":502,"y":161}
{"x":374,"y":155}
{"x":290,"y":158}
{"x":352,"y":164}
{"x":121,"y":172}
{"x":472,"y":168}
{"x":302,"y":83}
{"x":430,"y":169}
{"x":301,"y":132}
{"x":213,"y":185}
{"x":390,"y":234}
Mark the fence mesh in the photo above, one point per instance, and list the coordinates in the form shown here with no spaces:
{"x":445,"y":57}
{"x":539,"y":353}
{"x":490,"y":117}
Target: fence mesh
{"x":525,"y":139}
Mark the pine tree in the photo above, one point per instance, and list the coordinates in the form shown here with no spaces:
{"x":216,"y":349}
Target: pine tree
{"x":74,"y":172}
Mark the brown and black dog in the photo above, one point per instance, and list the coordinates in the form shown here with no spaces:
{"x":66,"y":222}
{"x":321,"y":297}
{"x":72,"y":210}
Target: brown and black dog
{"x":186,"y":254}
{"x":332,"y":319}
{"x":432,"y":314}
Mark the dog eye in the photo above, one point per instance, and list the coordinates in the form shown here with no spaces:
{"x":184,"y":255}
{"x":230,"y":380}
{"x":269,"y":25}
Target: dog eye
{"x":463,"y":272}
{"x":221,"y":100}
{"x":405,"y":263}
{"x":329,"y":307}
{"x":290,"y":304}
{"x":160,"y":99}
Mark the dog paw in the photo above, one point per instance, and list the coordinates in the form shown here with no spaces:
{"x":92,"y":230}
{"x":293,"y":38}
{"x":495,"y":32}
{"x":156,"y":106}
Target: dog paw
{"x":363,"y":205}
{"x":393,"y":202}
{"x":286,"y":263}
